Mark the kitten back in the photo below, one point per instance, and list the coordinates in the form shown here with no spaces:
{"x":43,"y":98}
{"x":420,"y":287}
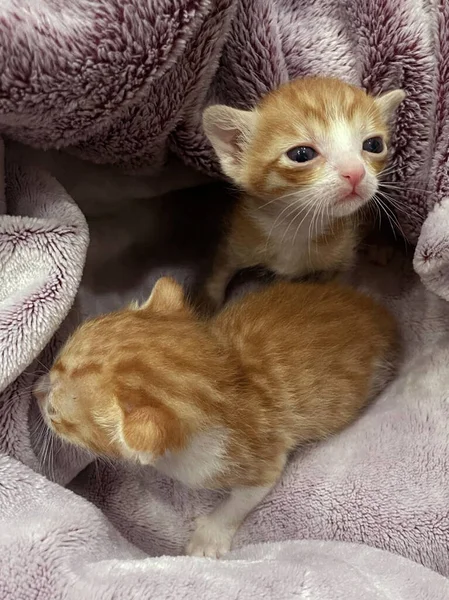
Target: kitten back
{"x":290,"y":364}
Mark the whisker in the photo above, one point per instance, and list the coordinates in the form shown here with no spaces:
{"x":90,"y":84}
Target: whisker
{"x":405,"y":209}
{"x":289,"y":206}
{"x":392,"y":219}
{"x":295,"y":192}
{"x":46,"y":369}
{"x":393,"y":170}
{"x":308,"y":204}
{"x":400,"y":188}
{"x":51,"y":459}
{"x":410,"y":217}
{"x":309,"y":237}
{"x":310,"y":208}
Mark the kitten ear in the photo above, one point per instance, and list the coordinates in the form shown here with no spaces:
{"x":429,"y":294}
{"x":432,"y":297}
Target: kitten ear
{"x":149,"y":431}
{"x":41,"y":388}
{"x":229,"y":131}
{"x":387,"y":103}
{"x":143,"y":431}
{"x":166,"y":297}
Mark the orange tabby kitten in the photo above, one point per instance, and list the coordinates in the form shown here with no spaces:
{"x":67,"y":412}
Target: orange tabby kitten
{"x":220,"y":403}
{"x":307,"y":159}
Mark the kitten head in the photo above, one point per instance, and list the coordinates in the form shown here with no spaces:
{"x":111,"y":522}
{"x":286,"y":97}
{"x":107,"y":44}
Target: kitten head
{"x":127,"y":384}
{"x":314,"y":142}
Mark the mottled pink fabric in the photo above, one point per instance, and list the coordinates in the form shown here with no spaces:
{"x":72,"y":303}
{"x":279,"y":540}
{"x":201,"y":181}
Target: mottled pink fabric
{"x":121,"y":81}
{"x":364,"y":515}
{"x":375,"y":496}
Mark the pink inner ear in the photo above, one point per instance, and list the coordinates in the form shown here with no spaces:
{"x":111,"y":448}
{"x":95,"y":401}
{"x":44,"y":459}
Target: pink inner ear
{"x":227,"y":136}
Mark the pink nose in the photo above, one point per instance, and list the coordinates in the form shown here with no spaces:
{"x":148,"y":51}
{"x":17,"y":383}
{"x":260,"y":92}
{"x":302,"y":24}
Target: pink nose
{"x":353,"y":175}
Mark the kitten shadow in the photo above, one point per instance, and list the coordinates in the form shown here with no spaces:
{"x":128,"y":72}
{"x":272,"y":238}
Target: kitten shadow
{"x":178,"y":230}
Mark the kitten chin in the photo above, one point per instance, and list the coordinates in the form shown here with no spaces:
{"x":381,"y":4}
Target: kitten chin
{"x":221,"y":402}
{"x":307,"y":159}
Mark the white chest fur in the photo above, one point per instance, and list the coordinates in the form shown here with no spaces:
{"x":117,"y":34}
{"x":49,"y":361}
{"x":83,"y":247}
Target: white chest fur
{"x":199,"y":462}
{"x":290,"y":241}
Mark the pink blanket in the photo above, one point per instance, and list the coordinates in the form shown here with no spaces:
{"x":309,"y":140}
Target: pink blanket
{"x":124,"y":81}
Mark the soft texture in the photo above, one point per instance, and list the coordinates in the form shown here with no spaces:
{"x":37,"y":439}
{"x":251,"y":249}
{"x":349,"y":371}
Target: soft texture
{"x":73,"y":552}
{"x":382,"y":483}
{"x":120,"y":81}
{"x":117,"y":82}
{"x":299,"y":220}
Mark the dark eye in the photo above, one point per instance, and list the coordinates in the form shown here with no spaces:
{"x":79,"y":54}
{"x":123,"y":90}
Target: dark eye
{"x":301,"y":154}
{"x":51,"y":410}
{"x":374,"y":145}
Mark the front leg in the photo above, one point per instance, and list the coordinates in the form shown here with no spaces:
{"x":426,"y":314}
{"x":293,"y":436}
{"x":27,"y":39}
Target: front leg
{"x":214,"y":532}
{"x":239,"y":250}
{"x":216,"y":285}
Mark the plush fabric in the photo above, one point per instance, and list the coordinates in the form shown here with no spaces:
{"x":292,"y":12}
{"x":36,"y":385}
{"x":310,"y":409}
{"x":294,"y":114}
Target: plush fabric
{"x":375,"y":496}
{"x":121,"y":81}
{"x":72,"y":552}
{"x":124,"y":82}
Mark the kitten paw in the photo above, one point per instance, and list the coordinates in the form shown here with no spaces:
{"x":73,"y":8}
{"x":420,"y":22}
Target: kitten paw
{"x":209,"y":539}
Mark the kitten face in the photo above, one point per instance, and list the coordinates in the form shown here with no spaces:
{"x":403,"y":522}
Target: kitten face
{"x":122,"y":385}
{"x":73,"y":405}
{"x":315,"y":143}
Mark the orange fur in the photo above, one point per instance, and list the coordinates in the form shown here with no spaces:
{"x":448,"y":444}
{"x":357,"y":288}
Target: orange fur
{"x":220,"y":403}
{"x":295,"y":218}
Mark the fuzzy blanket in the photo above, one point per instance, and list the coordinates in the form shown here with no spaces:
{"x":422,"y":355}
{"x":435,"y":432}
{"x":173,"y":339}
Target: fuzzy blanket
{"x":364,"y":515}
{"x":123,"y":82}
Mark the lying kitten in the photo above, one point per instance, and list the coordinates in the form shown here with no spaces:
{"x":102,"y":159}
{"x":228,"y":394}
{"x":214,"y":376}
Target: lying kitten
{"x":307,"y":159}
{"x":220,"y":403}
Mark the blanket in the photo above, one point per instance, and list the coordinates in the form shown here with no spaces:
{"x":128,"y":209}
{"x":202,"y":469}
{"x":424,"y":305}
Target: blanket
{"x":124,"y":82}
{"x":363,"y":514}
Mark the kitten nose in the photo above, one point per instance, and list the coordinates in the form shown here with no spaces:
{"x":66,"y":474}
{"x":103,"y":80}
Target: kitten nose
{"x":353,"y":174}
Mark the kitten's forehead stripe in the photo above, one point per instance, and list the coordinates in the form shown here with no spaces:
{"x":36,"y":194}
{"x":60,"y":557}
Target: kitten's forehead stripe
{"x":315,"y":103}
{"x":86,"y":369}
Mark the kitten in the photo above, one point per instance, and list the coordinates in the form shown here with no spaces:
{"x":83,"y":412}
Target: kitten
{"x":220,"y":403}
{"x":307,"y":159}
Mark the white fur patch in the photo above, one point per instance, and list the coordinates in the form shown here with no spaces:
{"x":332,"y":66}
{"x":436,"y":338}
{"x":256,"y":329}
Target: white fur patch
{"x":214,"y":532}
{"x":199,"y":462}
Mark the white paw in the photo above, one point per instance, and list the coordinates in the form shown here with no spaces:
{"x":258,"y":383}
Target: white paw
{"x":209,"y":539}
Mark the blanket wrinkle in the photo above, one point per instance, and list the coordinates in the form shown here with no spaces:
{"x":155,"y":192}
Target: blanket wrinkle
{"x":363,"y":515}
{"x":128,"y":94}
{"x":82,"y":556}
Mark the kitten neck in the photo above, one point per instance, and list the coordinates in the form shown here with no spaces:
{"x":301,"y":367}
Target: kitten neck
{"x":281,"y":222}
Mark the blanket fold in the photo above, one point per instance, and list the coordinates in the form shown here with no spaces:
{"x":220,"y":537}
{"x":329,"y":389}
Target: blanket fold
{"x":71,"y":552}
{"x":364,"y":515}
{"x":43,"y":244}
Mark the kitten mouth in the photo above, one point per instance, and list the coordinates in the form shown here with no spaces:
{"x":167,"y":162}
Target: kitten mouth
{"x":351,"y":196}
{"x":349,"y":203}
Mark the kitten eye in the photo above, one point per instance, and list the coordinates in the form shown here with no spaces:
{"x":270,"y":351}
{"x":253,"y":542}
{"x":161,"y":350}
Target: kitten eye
{"x":374,"y":145}
{"x":302,"y":154}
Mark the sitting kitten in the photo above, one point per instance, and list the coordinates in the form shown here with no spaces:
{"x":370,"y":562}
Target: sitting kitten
{"x":307,"y":159}
{"x":220,"y":403}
